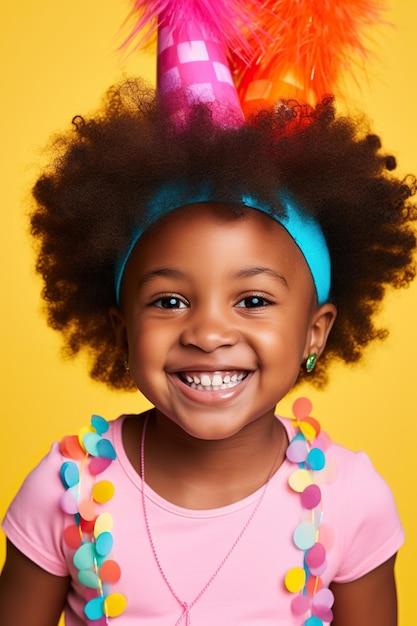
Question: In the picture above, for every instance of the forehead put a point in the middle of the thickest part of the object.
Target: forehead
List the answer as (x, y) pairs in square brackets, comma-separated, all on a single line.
[(214, 223), (213, 237)]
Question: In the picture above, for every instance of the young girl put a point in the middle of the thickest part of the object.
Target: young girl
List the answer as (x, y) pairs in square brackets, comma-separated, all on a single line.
[(211, 266), (219, 242)]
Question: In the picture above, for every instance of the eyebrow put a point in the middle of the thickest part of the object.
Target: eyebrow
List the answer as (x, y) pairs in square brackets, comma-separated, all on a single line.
[(246, 273), (163, 271), (256, 271)]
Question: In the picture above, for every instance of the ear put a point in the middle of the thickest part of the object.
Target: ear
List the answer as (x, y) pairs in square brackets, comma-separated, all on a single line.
[(120, 333), (321, 324)]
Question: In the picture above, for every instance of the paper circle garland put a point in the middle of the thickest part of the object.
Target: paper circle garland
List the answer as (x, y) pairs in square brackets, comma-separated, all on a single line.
[(89, 535), (307, 451)]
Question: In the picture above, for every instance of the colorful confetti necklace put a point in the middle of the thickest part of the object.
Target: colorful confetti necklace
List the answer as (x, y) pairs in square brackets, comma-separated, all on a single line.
[(89, 535), (312, 602), (186, 607)]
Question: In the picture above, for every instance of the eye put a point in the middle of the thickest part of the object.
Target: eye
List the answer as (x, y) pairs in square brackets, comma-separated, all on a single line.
[(253, 302), (170, 302)]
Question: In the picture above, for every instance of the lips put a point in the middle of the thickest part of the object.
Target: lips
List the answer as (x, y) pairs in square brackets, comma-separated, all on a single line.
[(213, 381)]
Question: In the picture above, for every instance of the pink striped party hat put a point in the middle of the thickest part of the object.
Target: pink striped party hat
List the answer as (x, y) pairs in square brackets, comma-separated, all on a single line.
[(192, 64), (194, 40)]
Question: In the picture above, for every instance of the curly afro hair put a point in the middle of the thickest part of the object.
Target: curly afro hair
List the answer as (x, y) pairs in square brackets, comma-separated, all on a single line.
[(105, 169)]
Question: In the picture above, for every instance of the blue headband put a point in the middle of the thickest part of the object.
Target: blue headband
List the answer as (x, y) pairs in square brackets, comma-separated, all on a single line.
[(304, 229)]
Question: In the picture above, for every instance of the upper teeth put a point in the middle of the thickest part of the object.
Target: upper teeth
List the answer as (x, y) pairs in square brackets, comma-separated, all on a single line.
[(215, 381)]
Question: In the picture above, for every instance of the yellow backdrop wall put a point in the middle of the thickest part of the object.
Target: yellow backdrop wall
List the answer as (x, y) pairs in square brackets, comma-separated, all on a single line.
[(57, 59)]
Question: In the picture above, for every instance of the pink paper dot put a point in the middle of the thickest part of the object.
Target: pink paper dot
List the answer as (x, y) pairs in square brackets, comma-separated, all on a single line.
[(319, 571), (69, 503), (311, 497), (323, 441), (300, 605), (316, 556), (323, 613), (98, 464), (324, 597), (321, 604)]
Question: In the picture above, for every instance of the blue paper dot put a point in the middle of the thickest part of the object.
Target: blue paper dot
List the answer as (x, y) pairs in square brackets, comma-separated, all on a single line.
[(305, 536), (313, 621), (94, 609), (69, 474), (84, 556), (104, 543), (90, 443), (100, 424), (88, 578), (105, 449), (316, 459)]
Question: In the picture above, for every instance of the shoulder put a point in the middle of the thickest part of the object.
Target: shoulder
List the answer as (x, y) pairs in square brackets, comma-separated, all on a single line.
[(42, 484), (360, 523), (352, 473), (47, 472), (370, 530), (358, 478), (35, 519), (33, 522)]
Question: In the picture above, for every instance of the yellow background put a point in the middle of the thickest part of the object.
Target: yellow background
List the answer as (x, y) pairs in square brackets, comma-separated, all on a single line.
[(57, 59)]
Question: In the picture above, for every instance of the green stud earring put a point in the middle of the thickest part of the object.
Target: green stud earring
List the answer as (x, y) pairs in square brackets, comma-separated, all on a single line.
[(310, 362)]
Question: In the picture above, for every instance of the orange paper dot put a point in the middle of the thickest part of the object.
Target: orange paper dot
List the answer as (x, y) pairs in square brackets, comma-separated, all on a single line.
[(70, 448), (302, 408), (87, 510), (110, 572), (314, 584), (72, 537)]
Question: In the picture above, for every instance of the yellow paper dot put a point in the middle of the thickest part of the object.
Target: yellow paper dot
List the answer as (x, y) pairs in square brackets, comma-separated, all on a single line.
[(308, 430), (103, 491), (295, 579), (300, 479), (103, 524), (83, 431), (114, 604)]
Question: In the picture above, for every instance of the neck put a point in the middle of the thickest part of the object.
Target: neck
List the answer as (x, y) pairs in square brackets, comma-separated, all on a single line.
[(201, 474)]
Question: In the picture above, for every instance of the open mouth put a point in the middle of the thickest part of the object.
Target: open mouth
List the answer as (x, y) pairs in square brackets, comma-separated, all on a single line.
[(206, 381)]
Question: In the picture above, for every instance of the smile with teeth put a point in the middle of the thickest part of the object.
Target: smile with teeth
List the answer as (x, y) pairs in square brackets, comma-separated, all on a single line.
[(205, 381)]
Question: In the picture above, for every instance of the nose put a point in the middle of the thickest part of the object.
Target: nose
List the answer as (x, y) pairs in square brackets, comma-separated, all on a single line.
[(209, 330)]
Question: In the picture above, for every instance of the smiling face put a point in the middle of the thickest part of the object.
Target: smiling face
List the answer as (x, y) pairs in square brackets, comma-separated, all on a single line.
[(216, 316)]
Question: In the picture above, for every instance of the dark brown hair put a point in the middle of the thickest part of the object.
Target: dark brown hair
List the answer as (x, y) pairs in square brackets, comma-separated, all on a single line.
[(104, 170)]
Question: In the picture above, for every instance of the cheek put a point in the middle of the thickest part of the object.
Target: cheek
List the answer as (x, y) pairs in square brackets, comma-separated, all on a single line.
[(150, 342), (144, 346), (281, 342)]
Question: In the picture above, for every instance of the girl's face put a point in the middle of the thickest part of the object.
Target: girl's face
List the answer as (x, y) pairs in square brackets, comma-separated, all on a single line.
[(217, 315)]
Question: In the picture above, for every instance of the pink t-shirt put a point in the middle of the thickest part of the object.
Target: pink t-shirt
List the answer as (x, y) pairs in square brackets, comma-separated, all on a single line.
[(361, 526)]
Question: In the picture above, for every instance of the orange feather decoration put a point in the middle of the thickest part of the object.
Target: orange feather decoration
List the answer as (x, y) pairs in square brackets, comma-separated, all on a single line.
[(310, 43)]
